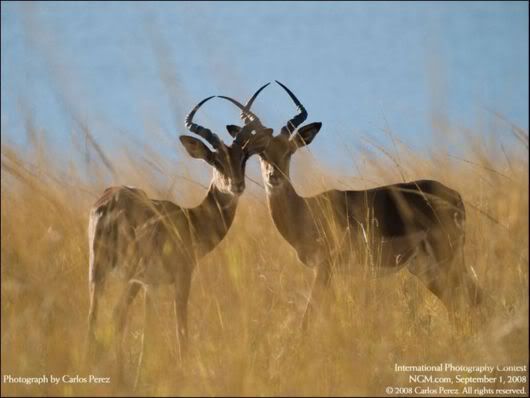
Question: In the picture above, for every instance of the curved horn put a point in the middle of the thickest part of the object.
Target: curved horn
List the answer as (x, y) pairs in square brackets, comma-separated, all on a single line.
[(247, 112), (251, 101), (205, 133), (298, 119), (252, 121)]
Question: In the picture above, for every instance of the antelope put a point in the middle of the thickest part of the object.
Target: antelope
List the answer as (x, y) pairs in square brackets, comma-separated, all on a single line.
[(149, 242), (419, 225)]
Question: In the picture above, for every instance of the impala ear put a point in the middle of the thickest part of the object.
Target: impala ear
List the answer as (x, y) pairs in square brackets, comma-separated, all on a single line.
[(305, 134), (196, 149), (233, 130)]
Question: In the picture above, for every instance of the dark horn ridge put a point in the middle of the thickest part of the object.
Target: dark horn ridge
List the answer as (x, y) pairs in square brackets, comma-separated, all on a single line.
[(203, 132), (249, 114), (298, 119), (252, 99), (189, 118), (254, 124)]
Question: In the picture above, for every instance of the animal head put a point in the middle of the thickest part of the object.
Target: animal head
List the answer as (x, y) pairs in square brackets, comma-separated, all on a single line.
[(276, 157), (228, 161)]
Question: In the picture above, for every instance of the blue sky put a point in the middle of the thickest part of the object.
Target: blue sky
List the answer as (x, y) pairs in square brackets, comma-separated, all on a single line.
[(131, 71)]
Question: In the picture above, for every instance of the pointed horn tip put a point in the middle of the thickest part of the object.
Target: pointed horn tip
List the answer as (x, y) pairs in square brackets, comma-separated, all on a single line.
[(198, 106), (204, 100), (262, 87), (237, 103), (249, 103), (293, 97), (284, 87)]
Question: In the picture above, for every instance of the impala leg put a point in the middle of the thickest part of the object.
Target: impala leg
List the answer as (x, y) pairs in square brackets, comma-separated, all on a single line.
[(182, 291), (470, 303), (120, 319), (431, 269), (146, 357), (469, 281), (446, 275), (320, 285), (93, 351), (432, 279)]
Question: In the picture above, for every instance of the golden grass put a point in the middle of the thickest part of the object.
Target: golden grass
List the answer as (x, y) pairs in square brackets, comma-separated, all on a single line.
[(248, 296)]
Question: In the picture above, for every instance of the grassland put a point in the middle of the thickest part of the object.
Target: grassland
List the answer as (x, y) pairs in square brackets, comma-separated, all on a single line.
[(248, 296)]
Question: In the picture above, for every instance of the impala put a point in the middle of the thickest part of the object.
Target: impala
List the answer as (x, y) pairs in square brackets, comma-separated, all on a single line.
[(418, 224), (149, 242)]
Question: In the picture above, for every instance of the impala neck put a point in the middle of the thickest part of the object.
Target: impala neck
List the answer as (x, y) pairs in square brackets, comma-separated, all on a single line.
[(287, 209), (212, 219)]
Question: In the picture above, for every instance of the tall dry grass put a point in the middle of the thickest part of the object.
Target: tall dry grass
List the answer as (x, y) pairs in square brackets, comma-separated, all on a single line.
[(249, 294)]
